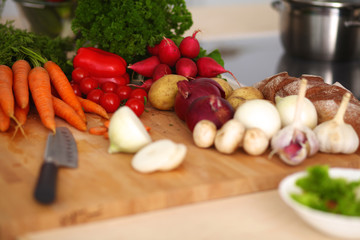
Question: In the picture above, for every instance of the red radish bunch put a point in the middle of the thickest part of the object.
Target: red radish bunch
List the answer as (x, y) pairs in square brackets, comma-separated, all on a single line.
[(168, 58)]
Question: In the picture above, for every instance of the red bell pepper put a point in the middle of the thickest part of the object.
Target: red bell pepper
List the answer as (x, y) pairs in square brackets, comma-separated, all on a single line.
[(99, 63)]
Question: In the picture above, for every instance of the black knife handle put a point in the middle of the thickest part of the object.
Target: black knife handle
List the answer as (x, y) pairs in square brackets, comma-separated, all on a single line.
[(46, 184)]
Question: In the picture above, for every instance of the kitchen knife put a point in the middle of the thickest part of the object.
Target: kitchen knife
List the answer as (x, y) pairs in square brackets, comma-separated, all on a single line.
[(60, 151)]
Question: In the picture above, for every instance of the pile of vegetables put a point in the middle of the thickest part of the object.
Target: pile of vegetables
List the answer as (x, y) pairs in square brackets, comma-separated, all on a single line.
[(182, 56), (289, 127), (101, 77), (49, 89), (325, 193), (126, 28)]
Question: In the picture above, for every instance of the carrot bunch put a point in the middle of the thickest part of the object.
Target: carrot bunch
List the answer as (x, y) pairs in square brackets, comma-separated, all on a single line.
[(21, 81)]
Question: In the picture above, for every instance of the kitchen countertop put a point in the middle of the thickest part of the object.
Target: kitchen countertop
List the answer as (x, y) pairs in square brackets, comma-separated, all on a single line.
[(251, 216)]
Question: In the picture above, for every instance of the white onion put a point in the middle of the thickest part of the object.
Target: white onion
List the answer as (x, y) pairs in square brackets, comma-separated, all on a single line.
[(286, 107), (259, 113)]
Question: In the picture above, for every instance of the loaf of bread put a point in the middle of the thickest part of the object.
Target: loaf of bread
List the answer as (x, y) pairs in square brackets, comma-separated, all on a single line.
[(325, 97)]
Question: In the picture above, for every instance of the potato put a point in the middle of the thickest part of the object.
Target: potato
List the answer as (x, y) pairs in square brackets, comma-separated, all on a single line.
[(163, 91), (225, 85), (235, 101), (247, 93), (242, 94)]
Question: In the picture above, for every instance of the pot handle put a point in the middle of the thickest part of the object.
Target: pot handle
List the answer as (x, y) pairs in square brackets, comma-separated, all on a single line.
[(352, 23), (276, 5)]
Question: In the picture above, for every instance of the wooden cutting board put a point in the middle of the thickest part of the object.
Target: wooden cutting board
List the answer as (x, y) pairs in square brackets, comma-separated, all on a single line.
[(105, 186)]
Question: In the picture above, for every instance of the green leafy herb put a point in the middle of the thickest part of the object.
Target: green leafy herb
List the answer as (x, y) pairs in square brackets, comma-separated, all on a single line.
[(12, 39), (322, 192), (128, 27)]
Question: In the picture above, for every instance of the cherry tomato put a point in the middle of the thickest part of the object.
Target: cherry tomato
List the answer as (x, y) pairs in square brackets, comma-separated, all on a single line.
[(108, 86), (110, 101), (123, 92), (87, 84), (76, 88), (94, 95), (136, 105), (139, 93), (78, 74)]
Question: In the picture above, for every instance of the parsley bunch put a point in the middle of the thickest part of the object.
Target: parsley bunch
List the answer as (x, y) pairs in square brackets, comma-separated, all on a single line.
[(128, 27), (11, 39)]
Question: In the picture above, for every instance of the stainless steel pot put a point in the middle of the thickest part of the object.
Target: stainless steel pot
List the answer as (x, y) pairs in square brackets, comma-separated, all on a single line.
[(320, 30)]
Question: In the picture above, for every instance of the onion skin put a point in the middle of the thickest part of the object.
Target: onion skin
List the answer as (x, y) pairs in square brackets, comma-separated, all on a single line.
[(190, 91), (211, 81), (213, 108)]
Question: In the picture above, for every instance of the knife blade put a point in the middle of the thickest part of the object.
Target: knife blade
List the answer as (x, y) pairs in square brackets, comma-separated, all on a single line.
[(60, 151)]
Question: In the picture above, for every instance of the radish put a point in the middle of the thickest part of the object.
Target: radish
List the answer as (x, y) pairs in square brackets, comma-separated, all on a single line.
[(154, 51), (189, 46), (146, 67), (145, 85), (186, 67), (169, 53), (166, 41), (160, 71), (208, 67)]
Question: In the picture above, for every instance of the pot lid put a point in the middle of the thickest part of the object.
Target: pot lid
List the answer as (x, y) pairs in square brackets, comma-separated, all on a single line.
[(329, 3)]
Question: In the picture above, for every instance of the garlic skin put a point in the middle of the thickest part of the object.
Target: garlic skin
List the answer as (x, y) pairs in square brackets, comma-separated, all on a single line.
[(336, 136), (294, 145)]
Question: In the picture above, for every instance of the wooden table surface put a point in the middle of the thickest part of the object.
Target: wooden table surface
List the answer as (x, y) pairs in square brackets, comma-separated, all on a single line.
[(253, 216)]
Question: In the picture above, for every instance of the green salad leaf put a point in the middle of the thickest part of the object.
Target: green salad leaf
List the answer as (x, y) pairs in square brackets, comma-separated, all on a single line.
[(322, 192)]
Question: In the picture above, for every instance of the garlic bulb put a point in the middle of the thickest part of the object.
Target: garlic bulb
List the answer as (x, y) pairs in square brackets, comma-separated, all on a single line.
[(295, 142), (287, 106), (336, 136)]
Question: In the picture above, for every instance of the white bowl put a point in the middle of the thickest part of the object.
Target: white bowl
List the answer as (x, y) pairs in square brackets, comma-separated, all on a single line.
[(331, 224)]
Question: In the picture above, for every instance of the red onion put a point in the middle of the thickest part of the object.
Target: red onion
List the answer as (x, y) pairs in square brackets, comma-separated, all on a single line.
[(212, 81), (188, 92), (212, 108)]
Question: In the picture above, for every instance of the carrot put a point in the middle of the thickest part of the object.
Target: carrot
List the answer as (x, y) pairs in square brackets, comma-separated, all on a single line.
[(40, 88), (98, 130), (63, 87), (21, 116), (66, 112), (106, 135), (92, 107), (147, 128), (107, 123), (21, 113), (4, 121), (21, 69), (6, 93)]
